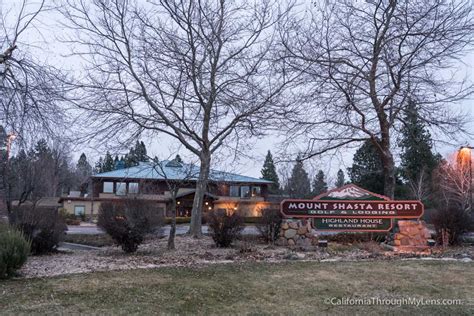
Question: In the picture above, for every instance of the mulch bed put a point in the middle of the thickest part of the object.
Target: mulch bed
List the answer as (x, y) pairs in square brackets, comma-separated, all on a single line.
[(195, 252)]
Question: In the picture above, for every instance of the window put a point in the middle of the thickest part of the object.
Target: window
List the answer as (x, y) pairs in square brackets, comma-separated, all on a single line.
[(79, 210), (121, 188), (256, 191), (133, 188), (108, 187), (234, 191), (245, 191)]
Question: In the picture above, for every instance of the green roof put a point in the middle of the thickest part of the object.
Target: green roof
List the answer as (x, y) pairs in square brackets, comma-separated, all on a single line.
[(175, 171)]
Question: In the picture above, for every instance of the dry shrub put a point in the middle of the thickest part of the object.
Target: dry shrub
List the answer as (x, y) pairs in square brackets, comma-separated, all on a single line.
[(224, 228), (269, 223), (454, 221), (127, 221), (43, 227)]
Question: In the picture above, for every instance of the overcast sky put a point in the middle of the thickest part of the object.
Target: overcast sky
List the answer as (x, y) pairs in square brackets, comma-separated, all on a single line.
[(44, 44)]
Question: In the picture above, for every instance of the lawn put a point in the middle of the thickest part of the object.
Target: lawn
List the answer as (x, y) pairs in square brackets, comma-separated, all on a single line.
[(289, 288)]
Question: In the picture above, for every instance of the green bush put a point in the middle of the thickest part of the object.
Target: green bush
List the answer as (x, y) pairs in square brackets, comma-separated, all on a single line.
[(14, 249), (127, 221)]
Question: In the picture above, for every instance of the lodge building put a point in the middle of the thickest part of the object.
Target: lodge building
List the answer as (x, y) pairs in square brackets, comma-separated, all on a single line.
[(152, 181)]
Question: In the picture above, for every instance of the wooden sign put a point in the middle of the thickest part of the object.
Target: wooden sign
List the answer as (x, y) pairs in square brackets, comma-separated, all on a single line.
[(351, 209), (354, 209)]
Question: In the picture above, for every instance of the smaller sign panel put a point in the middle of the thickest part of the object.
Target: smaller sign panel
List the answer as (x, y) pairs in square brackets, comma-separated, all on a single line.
[(353, 209), (354, 224)]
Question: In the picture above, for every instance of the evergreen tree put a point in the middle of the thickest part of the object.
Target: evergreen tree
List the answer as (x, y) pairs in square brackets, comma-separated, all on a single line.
[(417, 158), (99, 166), (340, 181), (178, 159), (299, 185), (319, 184), (367, 168), (269, 173), (83, 173), (140, 152), (137, 154), (108, 163)]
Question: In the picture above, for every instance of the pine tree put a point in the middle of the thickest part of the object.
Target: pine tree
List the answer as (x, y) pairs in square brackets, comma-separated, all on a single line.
[(269, 173), (108, 164), (319, 184), (299, 185), (83, 173), (340, 181), (417, 156), (140, 152), (367, 168), (99, 166)]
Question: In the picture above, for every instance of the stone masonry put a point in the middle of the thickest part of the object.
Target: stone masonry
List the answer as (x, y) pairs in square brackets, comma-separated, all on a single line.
[(297, 233)]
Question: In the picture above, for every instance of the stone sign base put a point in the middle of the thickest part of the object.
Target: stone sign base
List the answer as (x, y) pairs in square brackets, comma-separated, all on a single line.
[(412, 237), (296, 232)]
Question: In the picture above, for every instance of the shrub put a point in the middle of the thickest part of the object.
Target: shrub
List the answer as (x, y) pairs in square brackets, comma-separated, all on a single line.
[(128, 221), (454, 221), (350, 238), (43, 227), (224, 228), (269, 223), (14, 249), (68, 218)]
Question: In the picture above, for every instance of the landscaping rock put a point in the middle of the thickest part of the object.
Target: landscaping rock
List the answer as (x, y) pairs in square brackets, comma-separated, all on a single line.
[(290, 233)]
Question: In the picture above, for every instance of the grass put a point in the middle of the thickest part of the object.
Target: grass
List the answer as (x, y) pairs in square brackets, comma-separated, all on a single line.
[(258, 288), (97, 240)]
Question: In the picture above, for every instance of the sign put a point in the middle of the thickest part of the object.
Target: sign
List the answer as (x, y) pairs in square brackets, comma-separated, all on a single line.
[(353, 209), (354, 224)]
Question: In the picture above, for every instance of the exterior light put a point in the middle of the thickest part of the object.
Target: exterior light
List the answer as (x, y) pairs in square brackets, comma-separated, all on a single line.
[(178, 202), (235, 208), (210, 208), (207, 203)]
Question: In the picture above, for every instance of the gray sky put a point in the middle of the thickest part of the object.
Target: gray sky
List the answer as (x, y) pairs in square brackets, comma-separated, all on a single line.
[(43, 42)]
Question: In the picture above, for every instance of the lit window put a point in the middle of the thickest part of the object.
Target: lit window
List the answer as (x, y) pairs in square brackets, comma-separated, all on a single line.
[(121, 188), (133, 188), (256, 191), (245, 191), (108, 187), (234, 191), (79, 210)]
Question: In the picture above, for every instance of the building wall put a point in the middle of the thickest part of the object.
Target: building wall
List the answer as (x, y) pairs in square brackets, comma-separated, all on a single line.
[(69, 206), (248, 208)]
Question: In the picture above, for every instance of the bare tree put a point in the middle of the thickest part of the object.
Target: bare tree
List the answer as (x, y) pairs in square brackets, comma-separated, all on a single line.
[(453, 182), (363, 60), (30, 90), (183, 174), (198, 71)]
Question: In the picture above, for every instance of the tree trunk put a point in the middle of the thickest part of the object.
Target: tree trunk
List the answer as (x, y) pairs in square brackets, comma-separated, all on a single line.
[(195, 229), (173, 222), (388, 172)]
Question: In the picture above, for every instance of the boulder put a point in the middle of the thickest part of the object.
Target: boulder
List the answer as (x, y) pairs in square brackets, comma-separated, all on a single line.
[(290, 233), (284, 225), (302, 230), (291, 242), (293, 225), (281, 241)]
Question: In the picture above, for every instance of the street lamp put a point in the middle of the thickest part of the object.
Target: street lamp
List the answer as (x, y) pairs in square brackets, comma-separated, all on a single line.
[(463, 153)]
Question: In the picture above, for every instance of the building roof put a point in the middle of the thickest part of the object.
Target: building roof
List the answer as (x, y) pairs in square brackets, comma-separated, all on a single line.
[(172, 170)]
